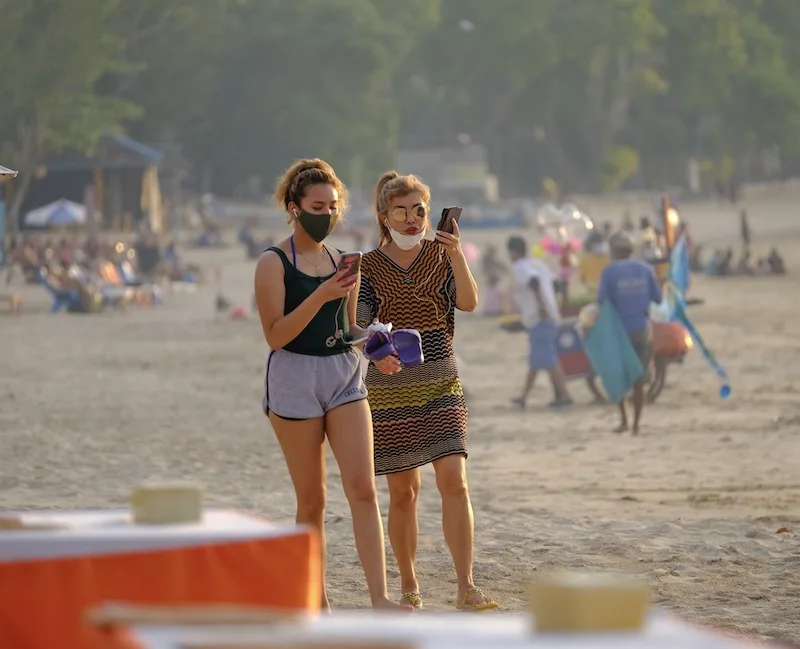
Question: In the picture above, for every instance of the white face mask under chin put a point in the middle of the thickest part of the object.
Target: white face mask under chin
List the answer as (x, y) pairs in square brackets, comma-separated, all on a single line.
[(408, 241)]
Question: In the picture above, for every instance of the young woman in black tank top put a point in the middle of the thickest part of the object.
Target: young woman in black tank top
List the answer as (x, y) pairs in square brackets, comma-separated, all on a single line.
[(313, 384)]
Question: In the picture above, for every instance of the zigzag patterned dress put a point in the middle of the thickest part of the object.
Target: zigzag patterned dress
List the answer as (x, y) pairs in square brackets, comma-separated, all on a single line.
[(419, 414)]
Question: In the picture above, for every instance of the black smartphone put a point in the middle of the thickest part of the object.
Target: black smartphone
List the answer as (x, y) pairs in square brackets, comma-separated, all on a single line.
[(351, 261), (449, 214)]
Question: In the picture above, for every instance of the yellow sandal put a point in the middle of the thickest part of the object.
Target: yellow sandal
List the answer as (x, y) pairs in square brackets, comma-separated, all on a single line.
[(486, 605), (412, 598)]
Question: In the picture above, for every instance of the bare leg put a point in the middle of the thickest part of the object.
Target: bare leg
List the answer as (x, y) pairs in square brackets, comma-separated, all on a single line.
[(458, 524), (559, 380), (404, 525), (302, 443), (624, 422), (554, 385), (530, 379), (349, 429), (638, 405)]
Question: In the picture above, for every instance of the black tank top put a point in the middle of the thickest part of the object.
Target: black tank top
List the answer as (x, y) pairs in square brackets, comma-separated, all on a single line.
[(319, 336)]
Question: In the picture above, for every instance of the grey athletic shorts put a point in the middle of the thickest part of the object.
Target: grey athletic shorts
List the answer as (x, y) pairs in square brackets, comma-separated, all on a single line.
[(299, 386)]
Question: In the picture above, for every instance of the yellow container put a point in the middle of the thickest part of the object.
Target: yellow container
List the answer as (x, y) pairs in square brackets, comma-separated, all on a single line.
[(591, 267), (587, 602), (167, 504)]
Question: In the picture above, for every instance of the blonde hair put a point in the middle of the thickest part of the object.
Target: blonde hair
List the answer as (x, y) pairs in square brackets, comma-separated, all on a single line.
[(294, 182), (390, 186)]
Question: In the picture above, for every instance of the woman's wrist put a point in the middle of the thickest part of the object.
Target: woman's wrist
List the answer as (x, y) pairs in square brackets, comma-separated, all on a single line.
[(455, 253)]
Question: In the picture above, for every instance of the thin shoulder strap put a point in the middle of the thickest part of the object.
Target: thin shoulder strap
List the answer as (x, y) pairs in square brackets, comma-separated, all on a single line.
[(287, 265)]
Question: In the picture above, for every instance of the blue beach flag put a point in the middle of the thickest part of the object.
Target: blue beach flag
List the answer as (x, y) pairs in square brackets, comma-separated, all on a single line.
[(675, 304)]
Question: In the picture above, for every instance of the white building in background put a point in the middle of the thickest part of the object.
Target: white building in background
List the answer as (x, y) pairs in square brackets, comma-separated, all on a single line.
[(456, 175)]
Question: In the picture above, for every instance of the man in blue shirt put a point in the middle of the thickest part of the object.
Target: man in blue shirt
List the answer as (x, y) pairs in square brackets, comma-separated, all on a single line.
[(631, 286)]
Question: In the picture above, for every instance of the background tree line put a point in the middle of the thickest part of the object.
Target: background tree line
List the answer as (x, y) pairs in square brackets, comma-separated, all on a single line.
[(593, 93)]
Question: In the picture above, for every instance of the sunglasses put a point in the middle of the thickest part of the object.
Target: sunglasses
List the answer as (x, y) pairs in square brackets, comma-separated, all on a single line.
[(400, 214)]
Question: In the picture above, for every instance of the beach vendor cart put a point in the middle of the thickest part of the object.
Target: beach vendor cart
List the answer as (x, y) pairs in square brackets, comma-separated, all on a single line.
[(671, 342), (656, 247)]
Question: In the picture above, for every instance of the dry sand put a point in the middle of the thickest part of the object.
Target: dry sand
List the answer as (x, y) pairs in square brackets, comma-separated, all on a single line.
[(90, 405)]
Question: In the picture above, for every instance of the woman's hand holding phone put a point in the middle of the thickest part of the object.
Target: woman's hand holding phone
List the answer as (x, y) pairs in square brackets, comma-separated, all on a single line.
[(451, 242), (338, 286)]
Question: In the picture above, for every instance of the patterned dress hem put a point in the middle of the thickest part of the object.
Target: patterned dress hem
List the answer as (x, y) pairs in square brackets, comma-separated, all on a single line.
[(421, 464)]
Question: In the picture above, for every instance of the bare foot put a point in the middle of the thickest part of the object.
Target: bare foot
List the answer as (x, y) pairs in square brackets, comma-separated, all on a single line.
[(622, 428), (384, 603), (635, 430)]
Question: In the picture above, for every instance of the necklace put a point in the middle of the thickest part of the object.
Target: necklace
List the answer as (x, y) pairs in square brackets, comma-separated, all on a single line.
[(320, 258), (339, 332)]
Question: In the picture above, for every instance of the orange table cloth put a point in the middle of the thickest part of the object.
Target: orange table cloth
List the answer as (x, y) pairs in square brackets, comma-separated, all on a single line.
[(49, 578)]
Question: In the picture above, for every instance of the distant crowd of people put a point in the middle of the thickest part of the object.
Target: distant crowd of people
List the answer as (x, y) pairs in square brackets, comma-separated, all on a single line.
[(35, 254), (722, 262), (93, 267)]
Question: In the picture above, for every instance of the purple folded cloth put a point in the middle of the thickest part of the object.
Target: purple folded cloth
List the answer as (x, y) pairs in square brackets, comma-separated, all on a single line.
[(379, 346), (408, 345)]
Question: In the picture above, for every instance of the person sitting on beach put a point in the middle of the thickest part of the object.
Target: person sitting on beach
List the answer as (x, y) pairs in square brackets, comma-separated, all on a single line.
[(313, 383), (631, 286), (419, 413), (744, 266), (597, 241), (696, 259), (724, 266), (538, 309), (776, 264)]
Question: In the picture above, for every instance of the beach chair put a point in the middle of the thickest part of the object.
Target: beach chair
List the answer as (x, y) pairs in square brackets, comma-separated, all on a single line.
[(151, 292), (128, 274), (115, 286), (109, 295), (140, 295), (62, 298)]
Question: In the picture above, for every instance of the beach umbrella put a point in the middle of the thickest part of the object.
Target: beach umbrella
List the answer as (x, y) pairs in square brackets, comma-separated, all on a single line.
[(6, 173), (59, 214)]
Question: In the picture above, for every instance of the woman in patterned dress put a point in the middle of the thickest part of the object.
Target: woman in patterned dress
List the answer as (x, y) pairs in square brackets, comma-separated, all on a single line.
[(419, 414)]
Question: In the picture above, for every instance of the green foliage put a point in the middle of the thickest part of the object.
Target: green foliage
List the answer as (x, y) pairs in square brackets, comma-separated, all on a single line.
[(621, 163)]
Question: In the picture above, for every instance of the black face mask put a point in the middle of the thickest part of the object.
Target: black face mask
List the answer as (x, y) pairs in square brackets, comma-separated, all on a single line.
[(317, 226)]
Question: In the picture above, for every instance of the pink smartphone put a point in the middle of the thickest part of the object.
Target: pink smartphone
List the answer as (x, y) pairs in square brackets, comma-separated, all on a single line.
[(351, 261)]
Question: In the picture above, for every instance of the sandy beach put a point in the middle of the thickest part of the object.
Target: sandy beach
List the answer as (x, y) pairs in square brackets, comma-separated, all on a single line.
[(91, 405)]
